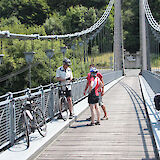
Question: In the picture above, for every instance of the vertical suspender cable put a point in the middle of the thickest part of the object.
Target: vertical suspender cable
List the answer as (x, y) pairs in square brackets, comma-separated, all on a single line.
[(101, 48), (1, 47), (157, 55), (91, 52)]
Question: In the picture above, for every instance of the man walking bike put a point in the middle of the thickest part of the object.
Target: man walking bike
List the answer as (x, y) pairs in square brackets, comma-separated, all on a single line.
[(64, 76)]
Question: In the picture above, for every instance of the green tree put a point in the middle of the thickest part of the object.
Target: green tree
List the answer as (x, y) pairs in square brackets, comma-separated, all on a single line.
[(131, 25), (78, 18), (54, 24), (27, 11), (62, 5), (154, 6)]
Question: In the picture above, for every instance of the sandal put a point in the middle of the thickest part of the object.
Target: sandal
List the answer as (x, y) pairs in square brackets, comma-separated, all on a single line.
[(91, 124), (97, 123), (104, 118), (88, 119)]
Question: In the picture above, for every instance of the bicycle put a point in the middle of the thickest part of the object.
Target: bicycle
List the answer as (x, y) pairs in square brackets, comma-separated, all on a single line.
[(63, 103), (32, 118)]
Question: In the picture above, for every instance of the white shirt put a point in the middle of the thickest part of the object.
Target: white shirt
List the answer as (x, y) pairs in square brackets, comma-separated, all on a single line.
[(62, 73), (96, 82)]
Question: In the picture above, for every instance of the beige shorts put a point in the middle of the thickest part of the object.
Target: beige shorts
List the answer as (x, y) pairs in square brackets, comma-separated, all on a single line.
[(100, 102)]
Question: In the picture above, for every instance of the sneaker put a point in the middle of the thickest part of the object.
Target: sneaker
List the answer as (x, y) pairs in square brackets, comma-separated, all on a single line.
[(71, 116), (88, 119), (104, 118), (91, 124), (97, 123)]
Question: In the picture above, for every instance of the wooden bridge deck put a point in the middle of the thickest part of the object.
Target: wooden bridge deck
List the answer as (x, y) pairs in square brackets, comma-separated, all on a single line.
[(126, 135)]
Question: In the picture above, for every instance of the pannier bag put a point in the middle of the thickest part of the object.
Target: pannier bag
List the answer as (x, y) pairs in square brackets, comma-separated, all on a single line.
[(157, 101)]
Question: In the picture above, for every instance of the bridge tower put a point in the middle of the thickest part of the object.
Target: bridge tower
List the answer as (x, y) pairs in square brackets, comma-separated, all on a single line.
[(117, 36), (143, 40)]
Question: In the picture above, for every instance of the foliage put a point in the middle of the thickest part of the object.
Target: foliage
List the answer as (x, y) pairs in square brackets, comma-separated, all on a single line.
[(131, 18), (78, 18), (27, 11), (61, 5), (54, 24), (154, 6)]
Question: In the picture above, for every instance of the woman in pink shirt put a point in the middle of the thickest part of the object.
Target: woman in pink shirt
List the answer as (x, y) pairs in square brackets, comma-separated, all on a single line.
[(101, 93), (95, 85)]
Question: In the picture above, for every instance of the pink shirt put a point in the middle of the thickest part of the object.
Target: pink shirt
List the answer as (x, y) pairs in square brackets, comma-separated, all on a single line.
[(98, 75)]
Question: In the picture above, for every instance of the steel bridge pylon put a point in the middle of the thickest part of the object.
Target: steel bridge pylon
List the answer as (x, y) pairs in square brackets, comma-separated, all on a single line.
[(117, 36), (143, 40)]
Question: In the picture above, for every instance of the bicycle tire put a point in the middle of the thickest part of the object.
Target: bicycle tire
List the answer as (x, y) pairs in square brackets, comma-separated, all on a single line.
[(63, 108), (40, 121), (25, 128)]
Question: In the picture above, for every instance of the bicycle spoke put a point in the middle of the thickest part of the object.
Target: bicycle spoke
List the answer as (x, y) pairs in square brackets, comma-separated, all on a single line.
[(40, 121)]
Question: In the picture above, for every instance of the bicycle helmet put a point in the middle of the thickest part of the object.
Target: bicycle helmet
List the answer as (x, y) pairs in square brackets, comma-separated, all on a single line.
[(67, 61), (93, 70)]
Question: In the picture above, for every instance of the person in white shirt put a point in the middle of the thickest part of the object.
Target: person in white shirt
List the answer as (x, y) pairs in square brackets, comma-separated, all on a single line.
[(64, 75)]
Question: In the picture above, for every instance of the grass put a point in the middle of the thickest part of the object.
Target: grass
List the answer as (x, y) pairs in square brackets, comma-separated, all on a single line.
[(102, 60)]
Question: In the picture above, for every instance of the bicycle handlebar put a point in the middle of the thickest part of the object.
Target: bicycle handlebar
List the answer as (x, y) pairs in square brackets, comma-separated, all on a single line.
[(32, 97), (73, 80)]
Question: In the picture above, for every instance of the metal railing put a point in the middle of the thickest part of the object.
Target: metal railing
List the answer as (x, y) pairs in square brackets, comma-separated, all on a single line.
[(153, 80), (46, 99)]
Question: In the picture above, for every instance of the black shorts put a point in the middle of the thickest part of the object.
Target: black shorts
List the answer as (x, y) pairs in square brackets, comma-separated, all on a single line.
[(67, 93), (92, 98)]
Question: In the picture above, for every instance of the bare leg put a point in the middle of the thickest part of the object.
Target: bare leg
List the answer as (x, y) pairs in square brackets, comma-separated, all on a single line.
[(102, 105), (104, 110), (92, 113), (69, 99), (98, 112)]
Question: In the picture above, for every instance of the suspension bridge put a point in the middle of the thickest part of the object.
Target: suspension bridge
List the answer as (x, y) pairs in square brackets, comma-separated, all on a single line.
[(132, 130)]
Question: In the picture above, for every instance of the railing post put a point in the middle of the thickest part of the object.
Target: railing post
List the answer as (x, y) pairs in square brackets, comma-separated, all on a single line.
[(51, 104), (42, 99), (73, 92), (12, 118)]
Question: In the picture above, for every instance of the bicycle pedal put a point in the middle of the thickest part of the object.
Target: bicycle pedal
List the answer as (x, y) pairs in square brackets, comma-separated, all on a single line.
[(32, 130), (60, 117)]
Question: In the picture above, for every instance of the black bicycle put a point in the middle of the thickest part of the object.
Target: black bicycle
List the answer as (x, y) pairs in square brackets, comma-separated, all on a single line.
[(63, 103), (32, 118)]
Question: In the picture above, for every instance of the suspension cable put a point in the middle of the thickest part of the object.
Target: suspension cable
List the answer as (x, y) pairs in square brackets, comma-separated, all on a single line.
[(150, 17)]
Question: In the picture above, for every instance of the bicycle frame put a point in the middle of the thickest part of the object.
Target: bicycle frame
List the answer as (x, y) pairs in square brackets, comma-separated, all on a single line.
[(27, 107)]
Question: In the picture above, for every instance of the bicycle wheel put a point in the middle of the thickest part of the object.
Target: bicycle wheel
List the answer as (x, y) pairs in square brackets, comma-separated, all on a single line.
[(40, 121), (63, 108), (25, 128)]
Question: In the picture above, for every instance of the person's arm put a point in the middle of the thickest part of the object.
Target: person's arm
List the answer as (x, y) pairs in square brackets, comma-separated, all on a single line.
[(102, 87), (71, 77), (86, 88), (60, 79)]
